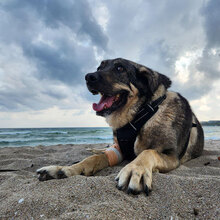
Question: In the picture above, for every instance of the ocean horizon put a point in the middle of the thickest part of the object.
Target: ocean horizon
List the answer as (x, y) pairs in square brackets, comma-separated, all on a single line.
[(18, 137)]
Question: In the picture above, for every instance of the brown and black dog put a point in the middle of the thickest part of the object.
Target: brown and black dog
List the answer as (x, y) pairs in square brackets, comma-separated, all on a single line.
[(170, 137)]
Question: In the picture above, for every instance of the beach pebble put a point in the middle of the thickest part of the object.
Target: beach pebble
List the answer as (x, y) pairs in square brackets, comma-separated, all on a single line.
[(21, 200), (195, 211)]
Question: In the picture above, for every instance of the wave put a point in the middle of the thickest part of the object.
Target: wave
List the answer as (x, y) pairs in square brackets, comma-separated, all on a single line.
[(14, 132), (51, 136), (212, 138), (54, 142), (55, 132)]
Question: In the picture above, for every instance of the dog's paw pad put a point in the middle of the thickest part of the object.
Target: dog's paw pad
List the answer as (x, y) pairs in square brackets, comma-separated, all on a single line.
[(44, 175)]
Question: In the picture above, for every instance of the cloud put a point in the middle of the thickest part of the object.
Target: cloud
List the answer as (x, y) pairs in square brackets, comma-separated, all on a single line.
[(59, 37), (52, 45), (211, 23), (153, 27), (46, 47), (210, 59), (208, 106), (21, 90), (51, 117), (205, 69), (76, 15)]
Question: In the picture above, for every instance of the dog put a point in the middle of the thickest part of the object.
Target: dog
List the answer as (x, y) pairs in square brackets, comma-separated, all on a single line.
[(153, 128)]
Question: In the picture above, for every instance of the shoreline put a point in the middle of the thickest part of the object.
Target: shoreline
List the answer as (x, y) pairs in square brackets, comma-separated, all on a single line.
[(188, 192)]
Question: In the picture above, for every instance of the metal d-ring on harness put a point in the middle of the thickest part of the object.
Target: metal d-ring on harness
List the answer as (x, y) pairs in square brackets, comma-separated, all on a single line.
[(127, 134)]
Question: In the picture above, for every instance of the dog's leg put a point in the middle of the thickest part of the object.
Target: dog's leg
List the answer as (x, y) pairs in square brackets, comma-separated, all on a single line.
[(137, 175), (87, 167)]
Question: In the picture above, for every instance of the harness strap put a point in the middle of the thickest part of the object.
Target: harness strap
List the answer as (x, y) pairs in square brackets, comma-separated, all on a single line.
[(127, 134), (187, 142), (146, 112)]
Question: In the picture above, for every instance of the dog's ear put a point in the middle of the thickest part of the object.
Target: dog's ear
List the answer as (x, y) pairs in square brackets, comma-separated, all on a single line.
[(164, 80), (148, 80)]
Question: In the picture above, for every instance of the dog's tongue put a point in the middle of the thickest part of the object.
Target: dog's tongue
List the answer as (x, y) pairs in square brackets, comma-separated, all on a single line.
[(105, 102)]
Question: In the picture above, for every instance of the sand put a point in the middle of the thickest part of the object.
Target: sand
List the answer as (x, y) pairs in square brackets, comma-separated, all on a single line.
[(190, 192)]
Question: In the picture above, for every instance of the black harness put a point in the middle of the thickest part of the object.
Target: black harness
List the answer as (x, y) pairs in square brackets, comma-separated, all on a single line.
[(127, 134)]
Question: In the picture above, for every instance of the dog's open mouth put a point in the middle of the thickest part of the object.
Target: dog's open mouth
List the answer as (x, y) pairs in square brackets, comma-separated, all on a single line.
[(110, 103), (105, 102)]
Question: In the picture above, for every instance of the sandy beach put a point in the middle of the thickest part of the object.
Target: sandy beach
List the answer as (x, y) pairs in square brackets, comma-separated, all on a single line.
[(190, 192)]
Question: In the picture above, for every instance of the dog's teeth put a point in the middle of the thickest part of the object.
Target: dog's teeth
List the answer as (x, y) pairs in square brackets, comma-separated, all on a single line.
[(117, 97)]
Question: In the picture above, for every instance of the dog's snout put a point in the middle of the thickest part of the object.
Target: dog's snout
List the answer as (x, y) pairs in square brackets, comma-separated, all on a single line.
[(92, 77)]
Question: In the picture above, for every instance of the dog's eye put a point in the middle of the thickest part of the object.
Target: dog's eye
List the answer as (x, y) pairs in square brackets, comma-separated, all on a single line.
[(120, 69)]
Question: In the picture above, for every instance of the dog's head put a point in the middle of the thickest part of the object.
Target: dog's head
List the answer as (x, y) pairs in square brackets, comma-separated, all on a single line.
[(115, 80)]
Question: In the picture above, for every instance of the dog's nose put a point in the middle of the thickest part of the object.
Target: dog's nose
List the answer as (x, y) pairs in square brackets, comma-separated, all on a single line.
[(92, 77)]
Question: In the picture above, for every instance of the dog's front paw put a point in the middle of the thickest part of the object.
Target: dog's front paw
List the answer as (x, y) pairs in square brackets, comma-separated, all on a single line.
[(51, 172), (59, 172), (136, 178)]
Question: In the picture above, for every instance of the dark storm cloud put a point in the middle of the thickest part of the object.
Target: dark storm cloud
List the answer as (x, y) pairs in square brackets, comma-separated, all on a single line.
[(58, 39), (212, 22), (209, 62), (64, 63), (74, 14), (67, 60)]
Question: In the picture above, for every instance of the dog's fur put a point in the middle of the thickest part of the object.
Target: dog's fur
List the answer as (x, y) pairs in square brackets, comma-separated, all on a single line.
[(160, 141)]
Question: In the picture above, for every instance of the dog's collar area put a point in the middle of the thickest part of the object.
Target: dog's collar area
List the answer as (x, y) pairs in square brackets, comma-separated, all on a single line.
[(146, 112), (127, 134)]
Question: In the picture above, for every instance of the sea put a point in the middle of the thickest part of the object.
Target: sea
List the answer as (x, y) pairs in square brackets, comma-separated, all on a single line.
[(17, 137)]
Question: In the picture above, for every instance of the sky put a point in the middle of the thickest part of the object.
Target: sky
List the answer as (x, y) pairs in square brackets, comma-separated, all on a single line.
[(47, 47)]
